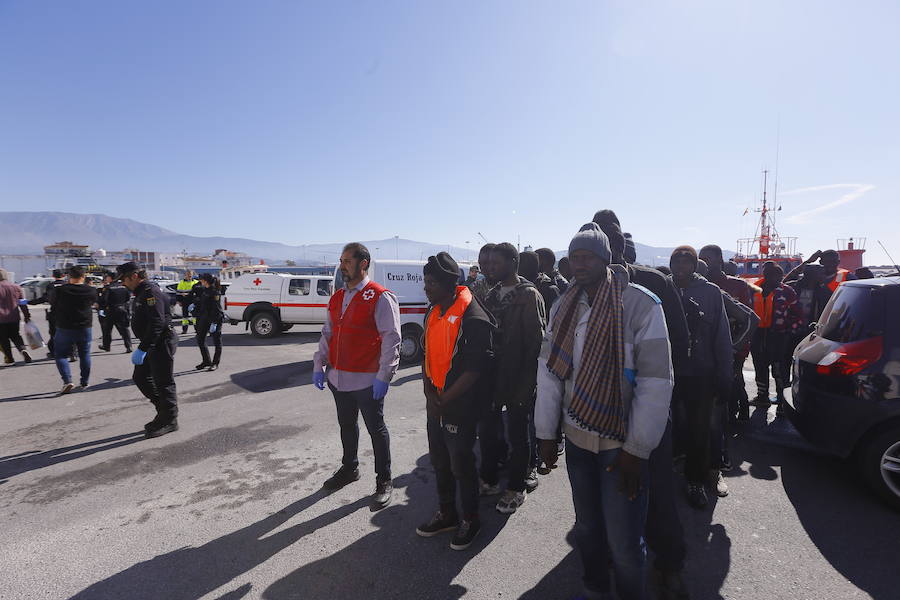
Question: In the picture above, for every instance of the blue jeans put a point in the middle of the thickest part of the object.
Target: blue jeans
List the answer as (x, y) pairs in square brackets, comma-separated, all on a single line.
[(63, 342), (607, 524)]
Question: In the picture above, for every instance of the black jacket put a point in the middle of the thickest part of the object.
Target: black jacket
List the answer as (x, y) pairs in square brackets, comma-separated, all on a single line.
[(114, 297), (664, 288), (73, 305), (474, 351), (207, 304), (152, 319)]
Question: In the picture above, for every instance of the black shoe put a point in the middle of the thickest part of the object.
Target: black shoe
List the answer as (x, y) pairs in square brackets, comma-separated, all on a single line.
[(213, 367), (466, 533), (439, 523), (384, 490), (105, 348), (26, 355), (73, 359), (697, 495), (184, 330), (761, 402), (202, 366), (531, 481), (162, 428), (341, 477), (127, 349)]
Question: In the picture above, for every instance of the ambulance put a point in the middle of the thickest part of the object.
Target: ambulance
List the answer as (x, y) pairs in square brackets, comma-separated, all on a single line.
[(270, 303), (404, 278)]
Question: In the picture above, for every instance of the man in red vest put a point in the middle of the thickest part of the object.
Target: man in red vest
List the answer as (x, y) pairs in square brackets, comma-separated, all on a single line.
[(360, 346)]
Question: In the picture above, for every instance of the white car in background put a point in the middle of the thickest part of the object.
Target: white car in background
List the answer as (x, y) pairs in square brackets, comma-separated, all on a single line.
[(274, 302)]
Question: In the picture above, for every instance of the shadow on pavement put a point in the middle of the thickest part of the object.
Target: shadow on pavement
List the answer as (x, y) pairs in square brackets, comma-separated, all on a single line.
[(109, 384), (390, 562), (278, 377), (10, 466)]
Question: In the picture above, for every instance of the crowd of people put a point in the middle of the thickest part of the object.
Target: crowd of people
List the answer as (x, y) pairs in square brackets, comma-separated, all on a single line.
[(621, 367)]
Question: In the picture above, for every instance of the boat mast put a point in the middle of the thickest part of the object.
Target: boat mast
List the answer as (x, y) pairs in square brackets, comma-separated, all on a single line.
[(764, 233)]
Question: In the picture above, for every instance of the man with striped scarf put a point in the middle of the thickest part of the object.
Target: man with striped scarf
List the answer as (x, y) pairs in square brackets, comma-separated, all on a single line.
[(606, 372)]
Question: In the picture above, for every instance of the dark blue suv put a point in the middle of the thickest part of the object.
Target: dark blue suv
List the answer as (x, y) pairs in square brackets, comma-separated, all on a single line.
[(846, 384)]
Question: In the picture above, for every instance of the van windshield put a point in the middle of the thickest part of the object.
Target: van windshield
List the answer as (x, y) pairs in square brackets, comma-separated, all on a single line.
[(338, 279), (852, 314)]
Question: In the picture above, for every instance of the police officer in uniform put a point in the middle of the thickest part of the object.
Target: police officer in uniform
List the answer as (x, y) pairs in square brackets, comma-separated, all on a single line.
[(112, 308), (154, 358), (185, 295)]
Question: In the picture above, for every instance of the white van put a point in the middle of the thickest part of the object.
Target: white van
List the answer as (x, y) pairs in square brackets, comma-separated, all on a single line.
[(405, 279), (273, 302)]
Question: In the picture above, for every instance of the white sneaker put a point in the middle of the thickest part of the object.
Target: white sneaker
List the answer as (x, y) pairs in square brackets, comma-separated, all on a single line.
[(510, 502), (486, 489), (68, 387), (718, 483)]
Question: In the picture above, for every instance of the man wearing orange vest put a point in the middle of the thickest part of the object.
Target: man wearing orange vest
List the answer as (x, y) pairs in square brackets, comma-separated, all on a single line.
[(830, 261), (779, 319), (360, 346), (456, 375)]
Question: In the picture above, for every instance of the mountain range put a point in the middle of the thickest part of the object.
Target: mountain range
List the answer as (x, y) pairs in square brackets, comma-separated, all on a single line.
[(29, 232)]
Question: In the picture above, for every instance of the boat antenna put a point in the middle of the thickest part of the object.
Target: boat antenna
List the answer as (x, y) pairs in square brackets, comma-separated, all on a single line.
[(890, 258)]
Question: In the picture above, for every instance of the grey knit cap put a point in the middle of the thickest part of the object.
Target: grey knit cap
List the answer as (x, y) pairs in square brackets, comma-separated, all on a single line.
[(590, 237)]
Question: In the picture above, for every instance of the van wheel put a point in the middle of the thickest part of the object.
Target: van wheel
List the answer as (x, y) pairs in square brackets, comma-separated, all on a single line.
[(880, 464), (286, 326), (411, 344), (264, 325)]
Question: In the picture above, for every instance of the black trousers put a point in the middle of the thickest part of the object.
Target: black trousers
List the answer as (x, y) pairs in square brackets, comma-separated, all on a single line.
[(521, 439), (664, 532), (202, 329), (10, 336), (451, 448), (694, 396), (349, 405), (117, 318), (767, 349), (156, 377)]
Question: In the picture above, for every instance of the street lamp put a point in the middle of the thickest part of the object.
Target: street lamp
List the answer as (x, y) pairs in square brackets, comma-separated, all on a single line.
[(397, 247)]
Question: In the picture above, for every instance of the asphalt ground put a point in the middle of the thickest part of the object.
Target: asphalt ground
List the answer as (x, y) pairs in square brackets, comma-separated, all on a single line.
[(231, 505)]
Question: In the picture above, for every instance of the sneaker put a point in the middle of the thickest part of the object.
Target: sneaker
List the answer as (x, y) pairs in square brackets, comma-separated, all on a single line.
[(161, 428), (761, 402), (670, 585), (212, 367), (510, 502), (531, 481), (384, 490), (466, 533), (696, 494), (105, 348), (73, 358), (26, 355), (717, 481), (66, 388), (438, 524), (341, 477), (486, 489), (202, 366), (81, 387), (560, 447), (8, 361)]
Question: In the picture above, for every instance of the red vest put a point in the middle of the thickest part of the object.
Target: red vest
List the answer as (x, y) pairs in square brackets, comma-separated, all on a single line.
[(355, 342), (839, 278)]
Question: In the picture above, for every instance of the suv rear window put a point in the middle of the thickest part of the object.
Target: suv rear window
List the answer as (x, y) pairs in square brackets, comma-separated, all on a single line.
[(853, 313)]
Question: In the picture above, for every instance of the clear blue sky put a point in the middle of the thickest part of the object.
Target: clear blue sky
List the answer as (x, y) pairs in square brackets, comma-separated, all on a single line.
[(326, 121)]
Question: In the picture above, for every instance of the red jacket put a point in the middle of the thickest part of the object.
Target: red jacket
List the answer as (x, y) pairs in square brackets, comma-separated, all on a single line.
[(355, 343)]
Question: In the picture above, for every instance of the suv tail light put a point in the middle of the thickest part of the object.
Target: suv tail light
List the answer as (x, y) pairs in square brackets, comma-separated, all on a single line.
[(850, 359)]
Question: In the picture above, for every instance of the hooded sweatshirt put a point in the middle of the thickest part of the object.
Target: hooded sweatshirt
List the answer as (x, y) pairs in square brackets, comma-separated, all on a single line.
[(73, 304), (646, 378)]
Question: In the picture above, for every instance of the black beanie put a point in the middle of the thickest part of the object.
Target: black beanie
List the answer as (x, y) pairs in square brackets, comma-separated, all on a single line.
[(442, 267)]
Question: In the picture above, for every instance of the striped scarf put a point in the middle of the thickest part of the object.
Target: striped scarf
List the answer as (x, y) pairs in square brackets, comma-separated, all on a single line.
[(597, 393)]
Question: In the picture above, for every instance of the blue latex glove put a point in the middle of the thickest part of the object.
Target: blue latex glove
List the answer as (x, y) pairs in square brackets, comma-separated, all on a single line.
[(319, 379), (137, 357), (213, 327), (23, 302), (102, 313), (379, 389), (191, 308)]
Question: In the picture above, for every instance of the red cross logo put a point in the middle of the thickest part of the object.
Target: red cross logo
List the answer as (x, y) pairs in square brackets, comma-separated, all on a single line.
[(257, 281)]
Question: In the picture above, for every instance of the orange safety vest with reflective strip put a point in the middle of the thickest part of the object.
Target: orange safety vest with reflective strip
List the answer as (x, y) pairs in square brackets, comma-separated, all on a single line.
[(441, 335), (839, 278)]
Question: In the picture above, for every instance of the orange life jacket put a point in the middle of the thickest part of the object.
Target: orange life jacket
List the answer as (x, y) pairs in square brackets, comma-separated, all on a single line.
[(839, 277), (762, 306), (441, 336), (355, 343)]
